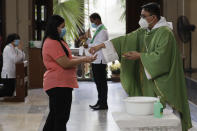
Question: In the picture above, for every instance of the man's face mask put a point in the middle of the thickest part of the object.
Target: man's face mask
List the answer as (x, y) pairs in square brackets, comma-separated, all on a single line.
[(143, 23), (94, 25)]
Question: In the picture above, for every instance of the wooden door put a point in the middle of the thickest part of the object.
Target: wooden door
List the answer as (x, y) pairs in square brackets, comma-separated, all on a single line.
[(42, 10), (133, 11)]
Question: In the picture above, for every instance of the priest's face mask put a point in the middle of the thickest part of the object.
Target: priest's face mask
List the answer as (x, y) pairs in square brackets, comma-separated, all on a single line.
[(146, 19)]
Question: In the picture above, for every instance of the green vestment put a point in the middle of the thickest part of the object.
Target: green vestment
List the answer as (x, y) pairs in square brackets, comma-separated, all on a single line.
[(161, 58)]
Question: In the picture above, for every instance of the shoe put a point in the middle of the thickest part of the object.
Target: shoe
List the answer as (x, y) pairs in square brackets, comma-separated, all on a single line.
[(91, 106), (100, 107)]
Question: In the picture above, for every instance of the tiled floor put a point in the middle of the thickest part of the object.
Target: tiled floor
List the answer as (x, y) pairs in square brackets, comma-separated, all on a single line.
[(31, 115), (193, 76), (24, 116)]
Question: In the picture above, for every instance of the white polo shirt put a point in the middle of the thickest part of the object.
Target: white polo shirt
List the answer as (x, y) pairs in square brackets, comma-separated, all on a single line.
[(101, 37), (11, 55)]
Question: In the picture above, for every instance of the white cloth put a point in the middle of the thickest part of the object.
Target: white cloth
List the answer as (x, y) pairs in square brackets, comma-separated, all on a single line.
[(11, 55), (109, 52), (163, 22), (81, 49), (101, 37), (126, 122)]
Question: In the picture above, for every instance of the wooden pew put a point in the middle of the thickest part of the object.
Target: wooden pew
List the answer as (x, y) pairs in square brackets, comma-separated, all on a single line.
[(21, 83)]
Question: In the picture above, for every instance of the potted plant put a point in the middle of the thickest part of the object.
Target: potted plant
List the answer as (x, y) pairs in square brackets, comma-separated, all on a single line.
[(115, 70)]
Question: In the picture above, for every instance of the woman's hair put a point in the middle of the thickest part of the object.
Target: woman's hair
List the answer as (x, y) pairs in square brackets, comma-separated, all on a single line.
[(11, 38), (51, 30)]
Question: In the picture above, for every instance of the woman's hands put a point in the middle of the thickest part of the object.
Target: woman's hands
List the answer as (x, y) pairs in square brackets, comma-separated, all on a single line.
[(21, 45), (89, 59)]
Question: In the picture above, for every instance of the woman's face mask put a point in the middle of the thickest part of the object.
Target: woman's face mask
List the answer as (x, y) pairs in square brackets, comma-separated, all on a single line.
[(16, 42), (63, 32)]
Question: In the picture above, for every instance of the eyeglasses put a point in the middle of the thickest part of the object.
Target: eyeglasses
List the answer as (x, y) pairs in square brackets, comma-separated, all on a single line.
[(143, 16)]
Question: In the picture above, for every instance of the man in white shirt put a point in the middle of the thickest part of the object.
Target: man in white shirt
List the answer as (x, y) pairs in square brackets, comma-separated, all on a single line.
[(99, 65)]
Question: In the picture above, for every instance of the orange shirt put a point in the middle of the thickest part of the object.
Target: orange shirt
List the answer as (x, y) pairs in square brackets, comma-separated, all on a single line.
[(56, 76)]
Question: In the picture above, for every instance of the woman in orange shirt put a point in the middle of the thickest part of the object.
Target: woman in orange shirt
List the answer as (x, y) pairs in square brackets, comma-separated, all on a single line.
[(60, 77)]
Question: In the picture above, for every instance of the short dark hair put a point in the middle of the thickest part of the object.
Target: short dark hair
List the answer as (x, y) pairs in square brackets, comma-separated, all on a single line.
[(11, 38), (95, 16), (153, 8)]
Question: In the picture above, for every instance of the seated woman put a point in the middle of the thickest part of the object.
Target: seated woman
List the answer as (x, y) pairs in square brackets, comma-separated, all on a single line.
[(12, 54)]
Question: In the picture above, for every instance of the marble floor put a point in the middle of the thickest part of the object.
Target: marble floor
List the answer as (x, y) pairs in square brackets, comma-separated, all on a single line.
[(31, 114)]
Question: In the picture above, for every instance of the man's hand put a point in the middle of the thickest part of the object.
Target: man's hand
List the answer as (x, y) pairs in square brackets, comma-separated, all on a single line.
[(133, 55), (94, 49)]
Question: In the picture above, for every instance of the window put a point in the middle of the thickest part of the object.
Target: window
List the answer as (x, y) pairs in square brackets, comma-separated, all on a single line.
[(41, 11)]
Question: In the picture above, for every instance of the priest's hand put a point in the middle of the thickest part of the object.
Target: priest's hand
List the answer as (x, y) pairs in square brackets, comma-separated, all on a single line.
[(133, 55)]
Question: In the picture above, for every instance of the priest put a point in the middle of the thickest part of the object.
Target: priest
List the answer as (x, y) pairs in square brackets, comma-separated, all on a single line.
[(151, 64)]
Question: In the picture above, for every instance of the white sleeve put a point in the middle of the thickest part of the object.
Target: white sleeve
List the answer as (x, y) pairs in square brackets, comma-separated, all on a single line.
[(9, 53), (147, 74), (20, 55), (109, 52), (103, 36), (100, 38)]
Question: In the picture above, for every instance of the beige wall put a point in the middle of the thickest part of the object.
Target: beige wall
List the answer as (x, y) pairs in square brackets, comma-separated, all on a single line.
[(172, 10), (11, 16), (190, 12), (18, 19)]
